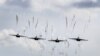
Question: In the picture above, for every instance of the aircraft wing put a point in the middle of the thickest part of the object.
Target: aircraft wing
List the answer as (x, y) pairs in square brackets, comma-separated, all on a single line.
[(84, 40), (41, 38), (12, 34), (31, 38), (51, 40), (22, 36), (73, 38), (62, 40)]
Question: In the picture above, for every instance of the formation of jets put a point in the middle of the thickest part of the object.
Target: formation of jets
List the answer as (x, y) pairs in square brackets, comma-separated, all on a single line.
[(78, 39), (39, 38)]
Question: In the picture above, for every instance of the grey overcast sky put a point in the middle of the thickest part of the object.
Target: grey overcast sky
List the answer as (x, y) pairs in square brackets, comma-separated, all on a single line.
[(86, 12)]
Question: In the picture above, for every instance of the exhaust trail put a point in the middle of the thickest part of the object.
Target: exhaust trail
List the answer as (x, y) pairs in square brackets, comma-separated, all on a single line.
[(29, 23), (29, 47), (36, 24), (67, 43), (74, 26), (46, 28), (86, 25), (66, 22), (33, 19), (17, 19)]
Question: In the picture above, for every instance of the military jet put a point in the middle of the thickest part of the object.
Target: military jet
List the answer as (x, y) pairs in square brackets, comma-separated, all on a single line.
[(78, 39), (17, 35), (57, 40), (37, 38)]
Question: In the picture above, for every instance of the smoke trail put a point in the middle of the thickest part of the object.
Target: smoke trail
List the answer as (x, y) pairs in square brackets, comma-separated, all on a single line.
[(17, 19), (33, 19), (66, 22), (74, 25), (46, 28), (36, 24), (29, 23)]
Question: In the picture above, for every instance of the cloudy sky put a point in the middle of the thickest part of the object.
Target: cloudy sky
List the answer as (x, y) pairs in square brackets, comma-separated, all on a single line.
[(85, 13)]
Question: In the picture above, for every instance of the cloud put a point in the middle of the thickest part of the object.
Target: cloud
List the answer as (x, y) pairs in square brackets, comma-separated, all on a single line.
[(41, 5), (6, 40), (18, 3), (4, 36), (2, 2), (87, 4), (82, 16)]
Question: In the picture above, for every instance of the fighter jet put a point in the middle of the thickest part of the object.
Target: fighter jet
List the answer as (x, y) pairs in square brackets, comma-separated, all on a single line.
[(57, 40), (37, 38), (78, 39), (17, 35)]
